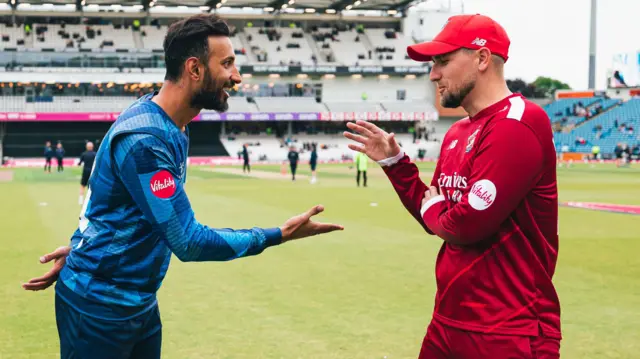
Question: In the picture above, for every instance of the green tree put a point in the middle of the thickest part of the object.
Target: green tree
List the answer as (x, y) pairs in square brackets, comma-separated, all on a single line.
[(549, 86), (525, 89)]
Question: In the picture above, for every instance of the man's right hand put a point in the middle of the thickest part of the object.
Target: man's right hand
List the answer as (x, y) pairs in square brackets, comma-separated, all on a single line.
[(377, 144), (302, 226), (45, 281)]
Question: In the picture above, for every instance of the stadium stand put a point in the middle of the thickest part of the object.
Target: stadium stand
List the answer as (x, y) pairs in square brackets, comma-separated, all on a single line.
[(240, 50), (389, 46), (60, 37), (67, 104), (110, 97), (14, 37), (268, 45), (115, 47), (12, 103), (618, 125), (376, 90), (331, 147), (260, 147), (569, 107), (153, 36), (343, 47), (569, 113), (240, 104), (279, 46)]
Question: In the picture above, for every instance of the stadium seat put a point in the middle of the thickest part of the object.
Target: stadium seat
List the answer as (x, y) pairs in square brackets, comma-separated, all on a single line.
[(345, 50), (391, 45), (14, 37), (281, 45), (153, 37), (627, 113), (104, 38)]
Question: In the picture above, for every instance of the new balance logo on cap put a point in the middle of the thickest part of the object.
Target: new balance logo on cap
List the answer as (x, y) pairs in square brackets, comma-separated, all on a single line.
[(478, 41)]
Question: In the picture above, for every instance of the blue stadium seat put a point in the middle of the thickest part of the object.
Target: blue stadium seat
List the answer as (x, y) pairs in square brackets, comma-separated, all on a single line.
[(627, 113)]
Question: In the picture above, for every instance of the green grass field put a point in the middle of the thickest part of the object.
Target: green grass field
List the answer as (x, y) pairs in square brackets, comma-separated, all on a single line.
[(366, 292)]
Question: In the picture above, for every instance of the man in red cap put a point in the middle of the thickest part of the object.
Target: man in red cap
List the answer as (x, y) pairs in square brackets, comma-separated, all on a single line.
[(493, 200)]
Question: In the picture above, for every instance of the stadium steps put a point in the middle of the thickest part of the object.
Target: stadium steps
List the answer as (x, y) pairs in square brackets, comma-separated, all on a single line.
[(598, 115), (314, 46), (369, 46), (251, 57), (137, 40), (28, 40)]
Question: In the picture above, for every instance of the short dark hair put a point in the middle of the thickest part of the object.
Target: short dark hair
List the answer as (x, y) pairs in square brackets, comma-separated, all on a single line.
[(190, 38)]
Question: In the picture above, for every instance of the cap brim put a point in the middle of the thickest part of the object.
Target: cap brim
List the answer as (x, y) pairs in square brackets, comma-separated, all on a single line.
[(427, 50)]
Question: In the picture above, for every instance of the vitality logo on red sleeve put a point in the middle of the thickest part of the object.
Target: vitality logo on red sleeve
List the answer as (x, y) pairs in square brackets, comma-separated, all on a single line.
[(482, 195), (162, 184)]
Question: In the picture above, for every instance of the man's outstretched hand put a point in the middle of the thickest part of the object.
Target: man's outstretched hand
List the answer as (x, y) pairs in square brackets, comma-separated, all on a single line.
[(302, 226), (44, 282), (296, 227), (376, 143)]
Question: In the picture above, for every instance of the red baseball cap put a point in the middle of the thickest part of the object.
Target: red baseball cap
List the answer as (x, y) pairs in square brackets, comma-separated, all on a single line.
[(464, 31)]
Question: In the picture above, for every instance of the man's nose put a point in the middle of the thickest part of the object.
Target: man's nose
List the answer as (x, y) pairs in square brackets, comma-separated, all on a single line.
[(235, 76), (434, 75)]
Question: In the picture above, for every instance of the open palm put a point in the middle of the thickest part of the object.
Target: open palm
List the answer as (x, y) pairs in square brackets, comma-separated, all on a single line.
[(376, 143), (302, 226)]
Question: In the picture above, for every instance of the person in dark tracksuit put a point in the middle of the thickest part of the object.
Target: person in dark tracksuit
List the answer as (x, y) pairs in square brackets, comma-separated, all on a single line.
[(293, 161), (245, 157), (48, 155), (86, 158), (60, 156), (313, 161)]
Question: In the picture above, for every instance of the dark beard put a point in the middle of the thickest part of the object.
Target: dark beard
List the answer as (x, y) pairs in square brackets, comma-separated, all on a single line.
[(454, 100), (209, 97)]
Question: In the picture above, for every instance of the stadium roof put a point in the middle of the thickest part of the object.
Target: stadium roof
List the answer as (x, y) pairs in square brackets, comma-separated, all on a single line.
[(276, 5)]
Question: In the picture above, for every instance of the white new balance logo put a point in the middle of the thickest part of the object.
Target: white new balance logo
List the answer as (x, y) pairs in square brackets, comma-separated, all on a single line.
[(478, 41)]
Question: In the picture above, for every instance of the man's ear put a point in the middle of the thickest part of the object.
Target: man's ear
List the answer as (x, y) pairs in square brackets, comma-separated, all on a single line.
[(192, 68), (484, 59)]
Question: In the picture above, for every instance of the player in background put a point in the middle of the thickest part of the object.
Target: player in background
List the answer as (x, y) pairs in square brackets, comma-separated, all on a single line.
[(137, 213), (362, 163), (60, 156), (48, 155), (313, 162), (87, 158), (245, 157), (293, 157), (493, 201)]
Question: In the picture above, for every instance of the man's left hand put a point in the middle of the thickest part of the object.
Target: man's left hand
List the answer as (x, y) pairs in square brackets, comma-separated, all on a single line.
[(59, 256), (302, 226)]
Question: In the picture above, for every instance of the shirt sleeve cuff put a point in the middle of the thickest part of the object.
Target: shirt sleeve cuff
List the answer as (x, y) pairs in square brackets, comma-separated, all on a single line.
[(392, 160), (431, 202), (273, 236)]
